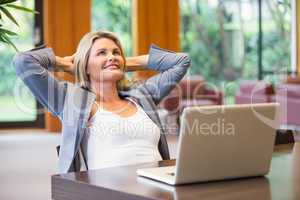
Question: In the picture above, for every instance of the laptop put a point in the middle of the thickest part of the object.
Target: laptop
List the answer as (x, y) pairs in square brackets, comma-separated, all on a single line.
[(221, 142)]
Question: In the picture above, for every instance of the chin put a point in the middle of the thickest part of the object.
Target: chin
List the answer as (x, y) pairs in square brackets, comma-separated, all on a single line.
[(115, 75)]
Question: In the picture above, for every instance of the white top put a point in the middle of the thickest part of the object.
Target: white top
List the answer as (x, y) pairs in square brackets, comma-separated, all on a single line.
[(112, 140)]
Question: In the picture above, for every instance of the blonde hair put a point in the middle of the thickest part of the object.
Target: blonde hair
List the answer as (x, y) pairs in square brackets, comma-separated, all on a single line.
[(82, 57)]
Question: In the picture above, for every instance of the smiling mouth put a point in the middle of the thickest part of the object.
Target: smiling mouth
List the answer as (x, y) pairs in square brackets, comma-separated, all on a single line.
[(112, 66)]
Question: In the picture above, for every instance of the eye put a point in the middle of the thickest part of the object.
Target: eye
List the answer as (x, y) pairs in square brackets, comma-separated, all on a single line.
[(101, 52), (117, 52)]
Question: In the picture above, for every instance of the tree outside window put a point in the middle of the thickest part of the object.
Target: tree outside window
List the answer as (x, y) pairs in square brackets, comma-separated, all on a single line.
[(221, 37)]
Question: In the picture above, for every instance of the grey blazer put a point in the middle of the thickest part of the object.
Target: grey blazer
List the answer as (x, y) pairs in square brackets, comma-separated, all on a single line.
[(72, 104)]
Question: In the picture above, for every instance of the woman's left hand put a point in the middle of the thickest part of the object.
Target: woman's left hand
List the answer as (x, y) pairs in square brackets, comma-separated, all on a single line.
[(136, 63), (66, 63)]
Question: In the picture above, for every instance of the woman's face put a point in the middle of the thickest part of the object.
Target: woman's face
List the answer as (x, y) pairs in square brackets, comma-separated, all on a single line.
[(105, 61)]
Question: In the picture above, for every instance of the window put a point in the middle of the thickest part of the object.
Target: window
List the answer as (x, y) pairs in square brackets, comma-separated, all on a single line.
[(229, 40), (276, 37), (115, 16), (18, 106)]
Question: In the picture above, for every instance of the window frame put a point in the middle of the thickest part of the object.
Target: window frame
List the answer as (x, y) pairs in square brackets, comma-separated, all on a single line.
[(40, 118)]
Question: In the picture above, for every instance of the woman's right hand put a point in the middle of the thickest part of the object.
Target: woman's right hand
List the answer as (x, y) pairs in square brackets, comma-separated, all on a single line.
[(66, 64)]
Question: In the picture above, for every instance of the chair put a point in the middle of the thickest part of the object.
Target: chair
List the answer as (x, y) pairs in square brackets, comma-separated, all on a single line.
[(288, 95), (191, 91), (255, 92)]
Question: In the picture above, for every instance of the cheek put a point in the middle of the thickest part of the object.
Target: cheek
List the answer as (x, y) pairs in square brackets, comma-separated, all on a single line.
[(94, 66), (93, 70)]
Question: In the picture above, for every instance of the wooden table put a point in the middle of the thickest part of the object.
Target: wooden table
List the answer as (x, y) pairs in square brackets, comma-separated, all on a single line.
[(283, 182)]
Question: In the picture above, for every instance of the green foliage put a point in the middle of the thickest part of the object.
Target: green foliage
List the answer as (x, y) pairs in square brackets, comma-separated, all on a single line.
[(8, 79), (24, 41), (222, 42), (115, 16), (5, 34)]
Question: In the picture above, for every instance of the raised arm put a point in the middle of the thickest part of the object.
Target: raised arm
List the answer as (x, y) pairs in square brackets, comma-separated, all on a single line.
[(171, 67), (34, 67), (137, 63)]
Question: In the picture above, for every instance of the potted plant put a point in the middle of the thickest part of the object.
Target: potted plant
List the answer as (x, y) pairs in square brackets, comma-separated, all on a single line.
[(5, 7)]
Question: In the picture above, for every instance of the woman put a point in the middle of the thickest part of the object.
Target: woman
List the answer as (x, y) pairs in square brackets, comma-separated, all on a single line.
[(105, 123)]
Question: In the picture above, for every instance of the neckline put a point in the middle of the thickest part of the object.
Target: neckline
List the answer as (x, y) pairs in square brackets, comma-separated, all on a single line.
[(101, 109)]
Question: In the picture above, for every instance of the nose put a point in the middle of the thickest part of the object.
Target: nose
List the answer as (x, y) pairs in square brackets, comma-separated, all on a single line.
[(111, 57)]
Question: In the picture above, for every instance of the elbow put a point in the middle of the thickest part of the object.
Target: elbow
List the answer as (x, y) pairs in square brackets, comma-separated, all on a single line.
[(23, 62), (19, 61)]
